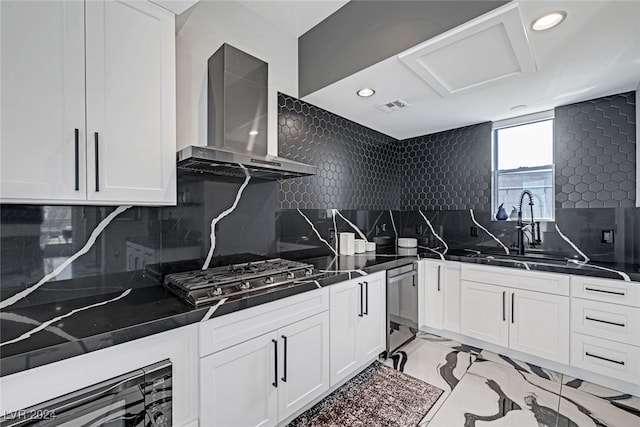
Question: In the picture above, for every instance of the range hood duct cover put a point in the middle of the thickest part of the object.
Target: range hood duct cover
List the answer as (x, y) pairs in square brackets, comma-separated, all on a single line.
[(237, 123)]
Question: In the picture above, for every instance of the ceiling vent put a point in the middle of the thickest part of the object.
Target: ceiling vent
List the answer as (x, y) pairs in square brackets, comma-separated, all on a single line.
[(491, 48), (395, 105)]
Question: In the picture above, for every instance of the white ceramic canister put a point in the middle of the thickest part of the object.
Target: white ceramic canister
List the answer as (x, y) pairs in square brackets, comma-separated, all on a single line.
[(359, 246), (407, 251), (370, 246), (407, 242), (347, 243)]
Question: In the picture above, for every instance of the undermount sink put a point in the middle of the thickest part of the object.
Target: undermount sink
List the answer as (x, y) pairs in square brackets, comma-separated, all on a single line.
[(537, 257)]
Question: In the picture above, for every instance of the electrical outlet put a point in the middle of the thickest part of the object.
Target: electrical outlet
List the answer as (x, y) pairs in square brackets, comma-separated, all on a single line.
[(607, 236), (474, 231), (419, 230), (332, 235)]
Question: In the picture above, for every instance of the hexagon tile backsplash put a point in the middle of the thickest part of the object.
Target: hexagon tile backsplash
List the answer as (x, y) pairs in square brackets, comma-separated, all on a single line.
[(595, 153), (448, 170), (357, 166)]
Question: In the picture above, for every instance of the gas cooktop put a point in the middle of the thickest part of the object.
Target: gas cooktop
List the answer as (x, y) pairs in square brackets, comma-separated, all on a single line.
[(204, 287)]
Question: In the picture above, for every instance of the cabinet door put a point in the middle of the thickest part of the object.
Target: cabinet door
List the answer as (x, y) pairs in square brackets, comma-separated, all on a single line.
[(485, 312), (130, 102), (344, 321), (451, 288), (540, 324), (42, 102), (431, 294), (237, 385), (374, 318), (304, 363)]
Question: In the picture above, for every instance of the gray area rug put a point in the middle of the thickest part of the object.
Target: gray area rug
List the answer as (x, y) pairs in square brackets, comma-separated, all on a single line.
[(378, 396)]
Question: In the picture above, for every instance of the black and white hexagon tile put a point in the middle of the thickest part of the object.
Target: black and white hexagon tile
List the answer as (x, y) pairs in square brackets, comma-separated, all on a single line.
[(595, 153), (357, 166), (448, 170)]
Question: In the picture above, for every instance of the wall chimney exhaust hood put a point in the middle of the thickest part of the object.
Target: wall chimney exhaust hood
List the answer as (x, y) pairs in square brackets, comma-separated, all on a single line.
[(237, 123)]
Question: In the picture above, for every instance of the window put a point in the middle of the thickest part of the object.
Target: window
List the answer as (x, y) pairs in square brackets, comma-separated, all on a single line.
[(523, 160)]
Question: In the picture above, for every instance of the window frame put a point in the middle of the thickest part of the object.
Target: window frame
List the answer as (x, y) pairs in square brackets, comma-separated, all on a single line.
[(495, 172)]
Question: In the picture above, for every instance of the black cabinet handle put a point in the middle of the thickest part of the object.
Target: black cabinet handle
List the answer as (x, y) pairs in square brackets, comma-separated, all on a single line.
[(95, 137), (604, 292), (504, 306), (513, 297), (77, 159), (366, 298), (284, 376), (439, 268), (361, 302), (275, 363), (604, 358), (605, 321)]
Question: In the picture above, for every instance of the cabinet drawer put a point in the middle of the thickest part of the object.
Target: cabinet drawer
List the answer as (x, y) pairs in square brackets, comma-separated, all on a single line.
[(608, 290), (610, 321), (537, 281), (225, 331), (621, 361)]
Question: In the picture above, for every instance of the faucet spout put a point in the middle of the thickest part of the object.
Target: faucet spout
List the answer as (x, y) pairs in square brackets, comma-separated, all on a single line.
[(520, 227)]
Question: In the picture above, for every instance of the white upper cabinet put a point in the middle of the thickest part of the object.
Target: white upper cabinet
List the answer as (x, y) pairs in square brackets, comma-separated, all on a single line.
[(130, 102), (126, 127), (42, 101)]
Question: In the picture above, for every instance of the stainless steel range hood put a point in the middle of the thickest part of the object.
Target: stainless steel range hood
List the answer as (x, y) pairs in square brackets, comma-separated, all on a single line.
[(237, 123)]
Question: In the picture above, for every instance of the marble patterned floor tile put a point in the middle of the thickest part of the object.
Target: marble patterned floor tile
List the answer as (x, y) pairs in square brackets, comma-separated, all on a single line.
[(583, 409), (518, 365), (446, 342), (438, 365), (616, 398), (495, 394)]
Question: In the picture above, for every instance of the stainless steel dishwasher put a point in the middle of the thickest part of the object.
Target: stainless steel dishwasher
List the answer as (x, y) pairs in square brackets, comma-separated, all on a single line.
[(402, 307)]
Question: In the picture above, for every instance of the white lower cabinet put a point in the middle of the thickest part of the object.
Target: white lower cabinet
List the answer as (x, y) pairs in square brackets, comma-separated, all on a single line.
[(264, 379), (439, 294), (304, 364), (605, 357), (451, 310), (540, 324), (236, 385), (430, 293), (532, 322), (357, 318), (484, 312), (605, 327)]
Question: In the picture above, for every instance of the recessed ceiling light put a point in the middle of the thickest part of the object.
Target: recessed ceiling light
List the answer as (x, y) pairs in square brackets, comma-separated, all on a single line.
[(365, 92), (548, 20), (253, 132)]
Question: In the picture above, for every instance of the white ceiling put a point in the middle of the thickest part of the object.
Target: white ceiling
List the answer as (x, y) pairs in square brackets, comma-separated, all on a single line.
[(294, 16), (595, 52)]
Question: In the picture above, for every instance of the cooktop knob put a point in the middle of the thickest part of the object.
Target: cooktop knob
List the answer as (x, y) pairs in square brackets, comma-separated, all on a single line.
[(268, 280)]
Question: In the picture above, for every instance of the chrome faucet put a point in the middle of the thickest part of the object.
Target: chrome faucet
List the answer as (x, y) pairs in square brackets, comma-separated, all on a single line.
[(520, 227)]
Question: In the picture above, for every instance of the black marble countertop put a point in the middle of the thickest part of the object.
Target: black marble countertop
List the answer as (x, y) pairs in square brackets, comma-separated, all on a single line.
[(540, 262), (142, 307), (146, 309)]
